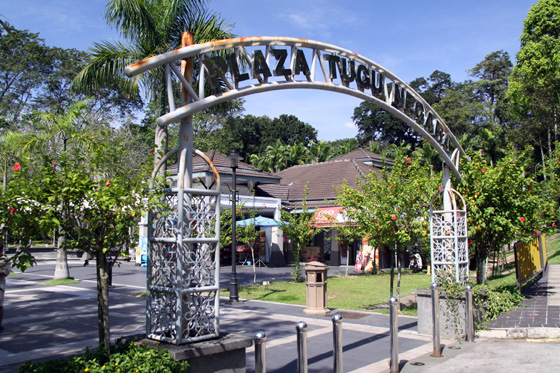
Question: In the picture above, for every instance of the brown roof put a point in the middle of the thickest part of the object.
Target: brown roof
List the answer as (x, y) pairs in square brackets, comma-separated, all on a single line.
[(321, 179), (222, 164)]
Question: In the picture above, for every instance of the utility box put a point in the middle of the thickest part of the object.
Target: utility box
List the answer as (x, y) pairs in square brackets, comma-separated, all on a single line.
[(316, 287)]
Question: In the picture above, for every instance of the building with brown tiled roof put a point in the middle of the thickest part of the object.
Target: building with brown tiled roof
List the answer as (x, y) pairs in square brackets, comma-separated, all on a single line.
[(320, 179), (316, 184)]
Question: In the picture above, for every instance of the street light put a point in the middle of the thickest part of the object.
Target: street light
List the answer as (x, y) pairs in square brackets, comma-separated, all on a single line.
[(234, 159)]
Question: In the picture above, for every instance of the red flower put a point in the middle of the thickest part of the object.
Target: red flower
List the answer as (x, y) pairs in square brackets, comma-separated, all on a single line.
[(17, 167), (440, 188), (458, 214), (108, 183), (554, 224), (394, 217), (522, 219), (378, 227), (409, 160), (528, 192), (152, 151), (484, 171), (311, 232), (536, 233), (236, 210), (406, 166), (12, 210), (54, 165)]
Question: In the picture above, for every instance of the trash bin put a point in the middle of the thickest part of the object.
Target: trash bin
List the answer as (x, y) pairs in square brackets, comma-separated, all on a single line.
[(316, 287)]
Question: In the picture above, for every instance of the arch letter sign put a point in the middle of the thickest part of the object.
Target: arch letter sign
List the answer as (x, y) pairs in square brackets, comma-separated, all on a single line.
[(240, 67)]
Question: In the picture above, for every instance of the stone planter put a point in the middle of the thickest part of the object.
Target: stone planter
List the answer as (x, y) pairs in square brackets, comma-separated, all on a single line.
[(447, 329)]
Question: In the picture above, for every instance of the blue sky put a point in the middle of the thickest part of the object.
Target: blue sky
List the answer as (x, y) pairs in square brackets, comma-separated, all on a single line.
[(409, 38)]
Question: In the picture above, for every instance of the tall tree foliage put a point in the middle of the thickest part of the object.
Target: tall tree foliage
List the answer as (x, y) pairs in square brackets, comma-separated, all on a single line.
[(148, 28), (535, 81), (503, 204), (93, 197), (391, 208), (25, 64)]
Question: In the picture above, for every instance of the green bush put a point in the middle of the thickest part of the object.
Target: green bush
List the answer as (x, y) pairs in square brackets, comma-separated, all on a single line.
[(500, 300), (131, 357)]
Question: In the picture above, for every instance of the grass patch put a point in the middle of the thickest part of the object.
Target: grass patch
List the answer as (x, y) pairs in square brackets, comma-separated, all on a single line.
[(553, 248), (357, 292), (141, 294), (66, 281)]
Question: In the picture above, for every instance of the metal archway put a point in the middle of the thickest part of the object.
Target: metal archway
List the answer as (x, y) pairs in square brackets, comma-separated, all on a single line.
[(182, 309), (332, 69)]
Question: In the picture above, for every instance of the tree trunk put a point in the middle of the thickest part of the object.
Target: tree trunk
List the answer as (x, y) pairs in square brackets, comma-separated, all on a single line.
[(161, 147), (543, 164), (104, 329), (399, 284), (61, 271), (480, 269)]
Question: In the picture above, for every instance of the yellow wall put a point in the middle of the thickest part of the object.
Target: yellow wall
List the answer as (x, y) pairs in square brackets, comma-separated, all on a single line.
[(529, 257)]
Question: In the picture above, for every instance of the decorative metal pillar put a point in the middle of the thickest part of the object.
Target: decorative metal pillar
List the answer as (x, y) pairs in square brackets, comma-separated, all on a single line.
[(234, 158), (182, 301), (448, 239)]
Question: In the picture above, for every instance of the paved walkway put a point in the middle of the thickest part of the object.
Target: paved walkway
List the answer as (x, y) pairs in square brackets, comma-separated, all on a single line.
[(538, 316), (43, 322)]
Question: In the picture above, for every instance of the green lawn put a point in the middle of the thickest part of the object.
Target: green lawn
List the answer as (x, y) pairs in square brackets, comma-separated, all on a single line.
[(359, 293), (553, 249)]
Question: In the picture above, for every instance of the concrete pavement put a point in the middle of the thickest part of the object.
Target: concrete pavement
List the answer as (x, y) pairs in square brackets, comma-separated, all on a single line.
[(43, 321)]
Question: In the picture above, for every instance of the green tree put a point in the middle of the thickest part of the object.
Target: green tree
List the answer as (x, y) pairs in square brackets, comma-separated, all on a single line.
[(534, 82), (503, 204), (376, 124), (391, 207), (25, 63), (100, 200), (493, 74), (55, 133), (289, 130), (299, 229), (10, 147), (148, 28)]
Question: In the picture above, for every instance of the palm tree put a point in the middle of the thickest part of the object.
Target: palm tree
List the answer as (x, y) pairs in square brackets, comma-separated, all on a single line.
[(320, 151), (149, 28), (55, 133)]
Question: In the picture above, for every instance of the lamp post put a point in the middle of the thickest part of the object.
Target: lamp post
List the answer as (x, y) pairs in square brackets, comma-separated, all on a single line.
[(234, 159)]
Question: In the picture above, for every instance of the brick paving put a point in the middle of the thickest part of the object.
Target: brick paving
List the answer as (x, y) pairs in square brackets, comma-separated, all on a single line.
[(541, 307)]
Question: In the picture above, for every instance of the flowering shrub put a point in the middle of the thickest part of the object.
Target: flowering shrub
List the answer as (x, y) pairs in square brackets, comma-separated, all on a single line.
[(131, 357)]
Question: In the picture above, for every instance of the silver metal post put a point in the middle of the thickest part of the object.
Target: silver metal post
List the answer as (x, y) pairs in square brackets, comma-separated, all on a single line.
[(469, 316), (337, 343), (260, 352), (394, 329), (301, 329), (435, 320)]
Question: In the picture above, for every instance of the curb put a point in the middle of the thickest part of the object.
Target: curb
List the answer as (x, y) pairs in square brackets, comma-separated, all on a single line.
[(520, 333)]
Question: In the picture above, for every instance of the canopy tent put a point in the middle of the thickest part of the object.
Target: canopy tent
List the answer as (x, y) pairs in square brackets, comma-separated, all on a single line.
[(259, 221)]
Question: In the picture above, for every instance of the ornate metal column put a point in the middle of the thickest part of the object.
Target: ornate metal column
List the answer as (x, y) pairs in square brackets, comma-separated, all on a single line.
[(182, 302), (448, 239)]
